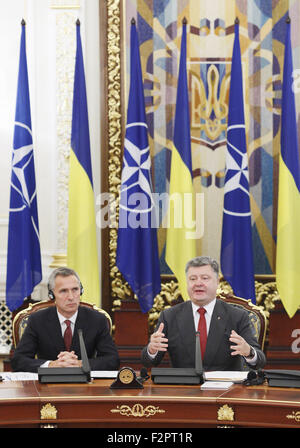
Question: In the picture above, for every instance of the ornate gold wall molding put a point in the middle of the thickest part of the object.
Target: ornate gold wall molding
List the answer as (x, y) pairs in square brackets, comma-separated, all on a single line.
[(119, 289)]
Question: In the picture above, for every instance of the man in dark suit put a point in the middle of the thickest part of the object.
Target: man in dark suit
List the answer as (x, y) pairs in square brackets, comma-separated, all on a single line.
[(228, 335), (43, 342)]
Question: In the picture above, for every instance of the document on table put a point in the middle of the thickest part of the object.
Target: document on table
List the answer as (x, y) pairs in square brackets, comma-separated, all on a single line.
[(28, 376), (233, 376), (216, 385), (104, 374), (19, 376)]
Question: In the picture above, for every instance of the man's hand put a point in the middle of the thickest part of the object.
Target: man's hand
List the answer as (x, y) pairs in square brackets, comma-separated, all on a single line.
[(66, 359), (241, 348), (158, 343)]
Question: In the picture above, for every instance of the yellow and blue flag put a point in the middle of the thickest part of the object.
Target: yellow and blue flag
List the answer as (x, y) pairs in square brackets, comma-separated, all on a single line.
[(236, 247), (288, 236), (180, 246), (24, 269), (137, 247), (82, 253)]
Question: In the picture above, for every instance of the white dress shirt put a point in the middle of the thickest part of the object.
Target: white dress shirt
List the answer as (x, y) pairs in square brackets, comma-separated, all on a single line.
[(62, 320), (209, 310)]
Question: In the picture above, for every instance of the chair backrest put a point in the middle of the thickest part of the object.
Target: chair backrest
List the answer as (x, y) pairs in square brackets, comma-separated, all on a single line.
[(257, 317), (21, 318)]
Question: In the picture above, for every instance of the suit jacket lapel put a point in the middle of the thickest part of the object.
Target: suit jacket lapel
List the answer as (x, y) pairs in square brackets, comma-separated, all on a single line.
[(187, 331), (217, 332), (79, 324), (54, 330)]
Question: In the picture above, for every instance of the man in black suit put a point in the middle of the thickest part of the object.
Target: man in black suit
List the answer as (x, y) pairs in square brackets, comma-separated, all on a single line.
[(42, 343), (228, 331)]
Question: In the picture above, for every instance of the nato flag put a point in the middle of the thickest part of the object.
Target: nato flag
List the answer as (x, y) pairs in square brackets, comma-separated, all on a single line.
[(236, 247), (137, 248), (24, 270)]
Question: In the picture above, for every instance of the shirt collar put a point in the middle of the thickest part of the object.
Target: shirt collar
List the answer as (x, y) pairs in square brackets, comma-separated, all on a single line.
[(63, 318), (209, 307)]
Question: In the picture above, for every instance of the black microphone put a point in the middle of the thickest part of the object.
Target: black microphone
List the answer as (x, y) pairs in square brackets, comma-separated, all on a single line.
[(84, 358), (254, 378), (198, 359), (143, 375)]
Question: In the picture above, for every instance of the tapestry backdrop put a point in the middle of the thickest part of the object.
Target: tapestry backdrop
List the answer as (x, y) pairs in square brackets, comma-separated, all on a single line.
[(210, 33)]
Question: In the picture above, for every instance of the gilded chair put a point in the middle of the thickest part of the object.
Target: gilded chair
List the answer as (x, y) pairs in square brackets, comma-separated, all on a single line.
[(21, 318), (257, 317)]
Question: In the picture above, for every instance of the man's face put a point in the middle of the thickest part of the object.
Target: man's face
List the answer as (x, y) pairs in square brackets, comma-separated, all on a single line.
[(67, 294), (202, 284)]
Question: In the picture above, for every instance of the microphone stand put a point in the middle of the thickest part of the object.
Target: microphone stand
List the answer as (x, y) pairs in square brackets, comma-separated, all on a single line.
[(198, 359)]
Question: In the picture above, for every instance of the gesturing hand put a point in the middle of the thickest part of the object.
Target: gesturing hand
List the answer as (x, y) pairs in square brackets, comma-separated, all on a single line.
[(242, 347), (158, 342)]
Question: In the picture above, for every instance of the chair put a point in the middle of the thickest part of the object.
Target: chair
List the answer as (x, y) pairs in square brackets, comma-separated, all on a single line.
[(257, 317), (21, 318)]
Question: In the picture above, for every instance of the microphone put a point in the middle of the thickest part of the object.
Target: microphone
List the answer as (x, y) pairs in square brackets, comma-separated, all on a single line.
[(254, 378), (198, 359), (143, 375), (84, 358)]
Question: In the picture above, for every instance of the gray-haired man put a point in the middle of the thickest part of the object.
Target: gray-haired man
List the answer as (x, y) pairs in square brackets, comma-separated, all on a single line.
[(43, 342)]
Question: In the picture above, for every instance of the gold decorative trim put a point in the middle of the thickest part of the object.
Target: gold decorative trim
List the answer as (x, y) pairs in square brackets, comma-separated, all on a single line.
[(226, 413), (294, 416), (48, 412), (119, 289), (59, 260), (138, 410)]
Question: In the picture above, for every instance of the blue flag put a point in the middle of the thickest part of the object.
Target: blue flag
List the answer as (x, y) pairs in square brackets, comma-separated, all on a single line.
[(236, 247), (24, 270), (137, 249)]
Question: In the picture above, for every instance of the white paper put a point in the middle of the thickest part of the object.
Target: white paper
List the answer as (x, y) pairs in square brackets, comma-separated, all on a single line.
[(19, 376), (216, 385), (235, 376), (104, 373)]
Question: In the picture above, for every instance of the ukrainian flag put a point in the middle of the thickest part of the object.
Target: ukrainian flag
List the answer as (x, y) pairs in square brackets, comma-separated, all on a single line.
[(288, 236), (82, 242), (180, 245)]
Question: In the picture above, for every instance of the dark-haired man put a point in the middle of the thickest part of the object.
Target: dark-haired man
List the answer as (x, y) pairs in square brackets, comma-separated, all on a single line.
[(226, 337)]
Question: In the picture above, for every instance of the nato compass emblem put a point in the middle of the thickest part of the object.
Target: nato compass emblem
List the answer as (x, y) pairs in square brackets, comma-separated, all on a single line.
[(236, 189), (136, 188), (23, 191)]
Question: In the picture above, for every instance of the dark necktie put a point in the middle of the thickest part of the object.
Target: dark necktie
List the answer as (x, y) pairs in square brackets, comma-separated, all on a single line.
[(202, 330), (68, 335)]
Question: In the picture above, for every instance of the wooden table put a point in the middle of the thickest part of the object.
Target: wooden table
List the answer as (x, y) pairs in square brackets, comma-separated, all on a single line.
[(31, 404)]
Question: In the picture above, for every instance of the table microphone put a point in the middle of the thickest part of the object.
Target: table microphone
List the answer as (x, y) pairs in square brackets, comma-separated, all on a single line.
[(198, 359), (143, 375), (84, 358)]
